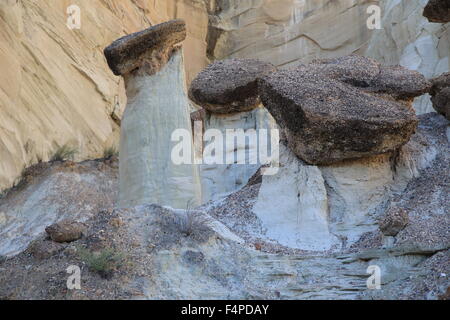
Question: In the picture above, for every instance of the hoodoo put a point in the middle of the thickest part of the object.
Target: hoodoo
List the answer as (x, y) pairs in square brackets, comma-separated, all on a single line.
[(152, 65), (228, 92)]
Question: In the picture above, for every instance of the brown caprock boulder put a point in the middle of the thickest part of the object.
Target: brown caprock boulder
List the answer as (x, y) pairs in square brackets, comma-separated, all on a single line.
[(344, 108), (440, 94), (229, 86), (437, 11)]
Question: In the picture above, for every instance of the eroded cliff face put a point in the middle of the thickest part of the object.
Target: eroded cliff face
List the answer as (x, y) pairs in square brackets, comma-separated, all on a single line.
[(55, 85), (287, 32), (408, 39)]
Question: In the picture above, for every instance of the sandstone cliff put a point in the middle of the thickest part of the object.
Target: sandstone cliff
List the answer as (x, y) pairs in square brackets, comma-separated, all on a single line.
[(55, 85), (289, 32)]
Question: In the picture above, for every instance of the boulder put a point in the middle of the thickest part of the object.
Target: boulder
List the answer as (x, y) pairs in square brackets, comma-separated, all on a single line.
[(345, 108), (437, 11), (66, 231), (44, 249), (229, 86), (393, 221), (440, 94)]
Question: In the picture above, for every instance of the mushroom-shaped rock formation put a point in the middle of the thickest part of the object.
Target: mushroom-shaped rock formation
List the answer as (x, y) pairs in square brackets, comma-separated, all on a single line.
[(437, 11), (344, 108), (228, 92), (440, 94), (229, 86), (152, 65), (150, 48)]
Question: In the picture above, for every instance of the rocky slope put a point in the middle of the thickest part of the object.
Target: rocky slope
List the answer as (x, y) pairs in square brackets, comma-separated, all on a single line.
[(228, 249), (362, 181)]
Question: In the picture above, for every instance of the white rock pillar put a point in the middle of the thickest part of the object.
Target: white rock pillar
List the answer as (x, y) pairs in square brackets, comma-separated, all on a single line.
[(153, 69), (228, 92)]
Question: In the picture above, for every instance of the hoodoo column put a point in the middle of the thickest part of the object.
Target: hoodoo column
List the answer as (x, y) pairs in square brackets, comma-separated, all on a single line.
[(151, 63)]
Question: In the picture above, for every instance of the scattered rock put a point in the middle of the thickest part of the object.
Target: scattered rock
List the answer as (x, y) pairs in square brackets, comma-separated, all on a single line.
[(193, 257), (116, 222), (66, 231), (446, 295), (229, 86), (394, 220), (440, 94), (258, 246), (437, 11), (345, 108), (70, 250), (149, 48), (44, 249), (3, 218)]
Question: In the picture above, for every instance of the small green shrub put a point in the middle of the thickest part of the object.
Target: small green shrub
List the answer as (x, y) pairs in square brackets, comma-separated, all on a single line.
[(64, 152), (103, 262), (110, 152)]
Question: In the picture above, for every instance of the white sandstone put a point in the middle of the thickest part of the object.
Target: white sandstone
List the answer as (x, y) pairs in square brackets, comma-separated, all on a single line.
[(157, 105)]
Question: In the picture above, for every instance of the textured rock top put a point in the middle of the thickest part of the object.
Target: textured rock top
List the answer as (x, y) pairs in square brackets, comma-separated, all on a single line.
[(437, 11), (130, 51), (369, 75), (230, 85), (345, 108)]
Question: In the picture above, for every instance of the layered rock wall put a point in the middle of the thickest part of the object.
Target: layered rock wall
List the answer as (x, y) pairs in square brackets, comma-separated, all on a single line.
[(287, 32), (409, 39), (55, 85)]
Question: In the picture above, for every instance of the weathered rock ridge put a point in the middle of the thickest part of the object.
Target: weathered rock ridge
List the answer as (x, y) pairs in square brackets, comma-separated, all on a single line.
[(409, 39)]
